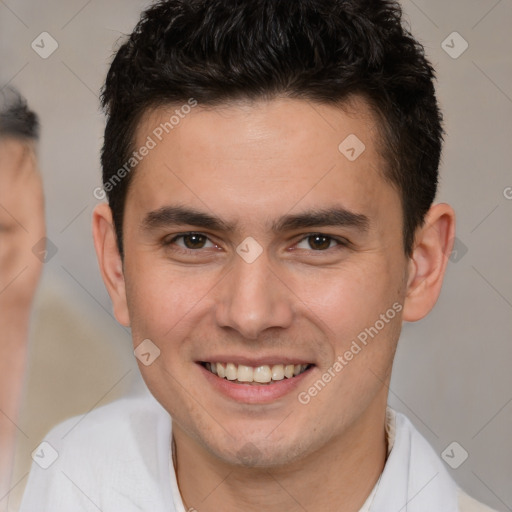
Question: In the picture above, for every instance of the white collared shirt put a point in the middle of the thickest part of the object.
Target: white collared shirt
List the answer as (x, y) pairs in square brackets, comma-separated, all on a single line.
[(117, 459)]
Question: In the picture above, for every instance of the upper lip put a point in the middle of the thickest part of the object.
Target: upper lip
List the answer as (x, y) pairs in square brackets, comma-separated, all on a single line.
[(255, 361)]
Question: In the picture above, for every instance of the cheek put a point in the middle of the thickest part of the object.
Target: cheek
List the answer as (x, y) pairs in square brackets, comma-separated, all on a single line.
[(161, 300), (350, 299)]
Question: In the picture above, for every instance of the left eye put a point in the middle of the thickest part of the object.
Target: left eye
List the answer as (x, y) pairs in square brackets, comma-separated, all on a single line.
[(318, 242)]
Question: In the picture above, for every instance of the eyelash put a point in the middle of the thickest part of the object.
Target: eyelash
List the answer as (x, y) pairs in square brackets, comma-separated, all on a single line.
[(340, 241)]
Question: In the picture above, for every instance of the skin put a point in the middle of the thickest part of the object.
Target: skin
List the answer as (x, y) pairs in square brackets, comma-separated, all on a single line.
[(21, 227), (250, 164)]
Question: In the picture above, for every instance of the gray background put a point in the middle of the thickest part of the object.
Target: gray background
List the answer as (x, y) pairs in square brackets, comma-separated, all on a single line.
[(452, 374)]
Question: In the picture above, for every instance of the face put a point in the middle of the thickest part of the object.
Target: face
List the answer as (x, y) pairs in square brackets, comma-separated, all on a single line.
[(252, 243), (22, 226)]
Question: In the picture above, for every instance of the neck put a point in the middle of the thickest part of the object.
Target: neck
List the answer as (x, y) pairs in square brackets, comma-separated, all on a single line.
[(341, 473)]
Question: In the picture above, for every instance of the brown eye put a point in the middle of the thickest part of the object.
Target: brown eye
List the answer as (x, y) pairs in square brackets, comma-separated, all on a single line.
[(319, 242), (190, 241), (194, 241)]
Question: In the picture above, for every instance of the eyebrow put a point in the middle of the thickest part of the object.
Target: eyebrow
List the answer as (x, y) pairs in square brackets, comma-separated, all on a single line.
[(181, 216)]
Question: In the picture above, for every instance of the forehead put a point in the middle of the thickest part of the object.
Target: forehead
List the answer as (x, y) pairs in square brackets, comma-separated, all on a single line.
[(13, 151), (256, 157), (252, 129)]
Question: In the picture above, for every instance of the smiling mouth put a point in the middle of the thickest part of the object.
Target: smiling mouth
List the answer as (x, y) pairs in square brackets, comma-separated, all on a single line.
[(265, 374)]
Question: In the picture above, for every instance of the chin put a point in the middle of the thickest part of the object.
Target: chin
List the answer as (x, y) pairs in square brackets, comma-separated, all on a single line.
[(264, 453)]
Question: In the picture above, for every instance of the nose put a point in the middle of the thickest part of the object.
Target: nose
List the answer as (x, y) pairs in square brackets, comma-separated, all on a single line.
[(252, 298)]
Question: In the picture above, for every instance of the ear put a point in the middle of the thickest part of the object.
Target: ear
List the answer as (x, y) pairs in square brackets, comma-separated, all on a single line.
[(432, 248), (109, 259)]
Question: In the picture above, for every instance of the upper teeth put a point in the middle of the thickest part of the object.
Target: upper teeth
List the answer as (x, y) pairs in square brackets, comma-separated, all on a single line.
[(261, 374)]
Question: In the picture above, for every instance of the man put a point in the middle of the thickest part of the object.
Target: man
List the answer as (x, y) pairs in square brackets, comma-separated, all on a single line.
[(22, 229), (271, 168)]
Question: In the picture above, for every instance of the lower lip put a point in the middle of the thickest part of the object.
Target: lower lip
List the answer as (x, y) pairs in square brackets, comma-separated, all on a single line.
[(254, 394)]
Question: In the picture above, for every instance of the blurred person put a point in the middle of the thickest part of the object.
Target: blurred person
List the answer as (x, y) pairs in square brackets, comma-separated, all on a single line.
[(22, 231), (271, 169)]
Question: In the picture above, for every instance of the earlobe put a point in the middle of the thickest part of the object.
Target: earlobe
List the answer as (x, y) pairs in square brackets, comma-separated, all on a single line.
[(109, 260), (427, 265)]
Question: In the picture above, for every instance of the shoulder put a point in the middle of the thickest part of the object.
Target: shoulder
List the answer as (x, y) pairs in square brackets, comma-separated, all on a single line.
[(468, 504), (110, 427), (113, 453), (398, 424)]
